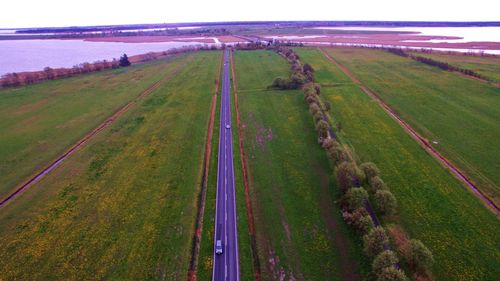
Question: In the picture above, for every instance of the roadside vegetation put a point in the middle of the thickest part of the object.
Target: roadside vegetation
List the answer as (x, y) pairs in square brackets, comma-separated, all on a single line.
[(39, 122), (124, 206), (300, 232), (457, 115), (432, 206)]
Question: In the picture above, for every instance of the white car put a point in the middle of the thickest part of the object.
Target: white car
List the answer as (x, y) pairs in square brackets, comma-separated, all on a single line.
[(218, 247), (228, 126)]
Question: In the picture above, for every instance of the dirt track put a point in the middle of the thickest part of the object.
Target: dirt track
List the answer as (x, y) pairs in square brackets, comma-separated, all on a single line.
[(424, 143), (110, 120)]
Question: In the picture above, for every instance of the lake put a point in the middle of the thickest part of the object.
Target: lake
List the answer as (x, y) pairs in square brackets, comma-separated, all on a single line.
[(33, 55), (468, 34)]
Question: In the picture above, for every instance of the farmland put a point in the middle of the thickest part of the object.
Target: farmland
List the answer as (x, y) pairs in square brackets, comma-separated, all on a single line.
[(298, 227), (486, 66), (123, 207), (459, 115), (41, 121), (434, 206)]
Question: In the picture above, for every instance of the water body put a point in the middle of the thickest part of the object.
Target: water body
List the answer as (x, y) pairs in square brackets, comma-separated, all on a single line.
[(467, 34), (34, 55)]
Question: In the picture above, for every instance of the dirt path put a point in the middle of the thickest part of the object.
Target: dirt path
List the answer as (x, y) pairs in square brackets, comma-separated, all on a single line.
[(110, 120), (195, 250), (424, 143), (248, 202)]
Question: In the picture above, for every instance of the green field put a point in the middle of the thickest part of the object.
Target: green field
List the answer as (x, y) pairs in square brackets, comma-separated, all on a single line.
[(434, 206), (39, 122), (461, 114), (299, 229), (487, 66), (123, 207)]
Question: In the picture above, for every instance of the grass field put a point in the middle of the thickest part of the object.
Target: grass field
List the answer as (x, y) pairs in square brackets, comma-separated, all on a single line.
[(434, 206), (298, 226), (123, 207), (461, 114), (486, 66), (39, 122)]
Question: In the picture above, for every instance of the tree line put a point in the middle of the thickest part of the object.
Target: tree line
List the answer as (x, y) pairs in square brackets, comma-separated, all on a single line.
[(359, 186), (432, 62)]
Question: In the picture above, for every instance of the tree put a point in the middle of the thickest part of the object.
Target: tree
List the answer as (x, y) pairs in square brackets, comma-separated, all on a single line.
[(376, 183), (314, 108), (328, 106), (365, 224), (348, 175), (308, 68), (328, 143), (419, 256), (356, 197), (318, 116), (385, 259), (374, 241), (370, 169), (322, 128), (337, 154), (392, 274), (124, 62), (385, 202)]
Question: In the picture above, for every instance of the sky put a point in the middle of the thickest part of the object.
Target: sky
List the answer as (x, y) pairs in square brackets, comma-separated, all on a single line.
[(38, 13)]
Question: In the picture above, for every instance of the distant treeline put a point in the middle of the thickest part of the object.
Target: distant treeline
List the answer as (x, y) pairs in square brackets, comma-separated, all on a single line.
[(256, 23), (27, 78), (442, 65)]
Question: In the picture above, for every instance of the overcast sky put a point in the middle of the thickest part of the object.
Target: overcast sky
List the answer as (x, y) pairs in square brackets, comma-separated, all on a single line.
[(41, 13)]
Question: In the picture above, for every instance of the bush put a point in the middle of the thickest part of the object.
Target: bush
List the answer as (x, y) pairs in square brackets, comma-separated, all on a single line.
[(356, 197), (419, 257), (392, 274), (370, 170), (385, 202), (376, 183), (374, 241), (385, 259)]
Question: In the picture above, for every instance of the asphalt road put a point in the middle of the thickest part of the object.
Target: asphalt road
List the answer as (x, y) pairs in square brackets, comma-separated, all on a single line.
[(226, 265)]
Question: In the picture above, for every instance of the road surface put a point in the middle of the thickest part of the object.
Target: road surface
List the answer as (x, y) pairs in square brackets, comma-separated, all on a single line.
[(226, 265)]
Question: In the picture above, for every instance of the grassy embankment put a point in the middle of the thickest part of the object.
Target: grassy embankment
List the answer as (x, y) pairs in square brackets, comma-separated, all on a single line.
[(299, 229), (40, 122), (461, 114), (123, 207), (433, 206), (486, 66)]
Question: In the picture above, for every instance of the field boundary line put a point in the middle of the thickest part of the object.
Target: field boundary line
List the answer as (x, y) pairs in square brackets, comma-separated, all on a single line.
[(195, 249), (424, 143), (244, 168), (37, 176)]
